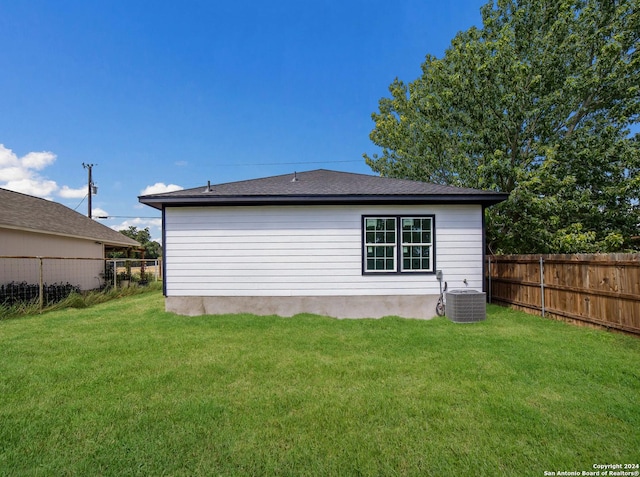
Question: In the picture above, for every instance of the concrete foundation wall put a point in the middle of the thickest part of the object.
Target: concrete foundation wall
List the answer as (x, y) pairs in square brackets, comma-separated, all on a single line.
[(408, 306)]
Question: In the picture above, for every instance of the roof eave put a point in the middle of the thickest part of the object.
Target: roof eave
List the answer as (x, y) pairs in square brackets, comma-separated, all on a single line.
[(186, 201), (72, 236)]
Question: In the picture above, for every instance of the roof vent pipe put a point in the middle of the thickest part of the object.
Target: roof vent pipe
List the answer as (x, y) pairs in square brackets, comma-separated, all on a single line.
[(295, 177), (208, 186)]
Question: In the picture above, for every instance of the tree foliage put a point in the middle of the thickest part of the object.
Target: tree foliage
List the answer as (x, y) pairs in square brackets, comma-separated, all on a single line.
[(541, 103), (152, 249)]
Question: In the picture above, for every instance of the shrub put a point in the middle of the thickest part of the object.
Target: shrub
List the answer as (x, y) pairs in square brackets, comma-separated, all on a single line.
[(14, 293)]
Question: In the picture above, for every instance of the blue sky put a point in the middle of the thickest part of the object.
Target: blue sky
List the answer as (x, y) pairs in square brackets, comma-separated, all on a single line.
[(164, 94)]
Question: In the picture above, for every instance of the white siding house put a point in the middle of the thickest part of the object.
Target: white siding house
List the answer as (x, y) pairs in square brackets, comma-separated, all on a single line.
[(312, 253)]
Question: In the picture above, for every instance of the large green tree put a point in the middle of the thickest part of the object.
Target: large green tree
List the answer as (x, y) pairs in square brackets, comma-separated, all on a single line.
[(152, 249), (541, 102)]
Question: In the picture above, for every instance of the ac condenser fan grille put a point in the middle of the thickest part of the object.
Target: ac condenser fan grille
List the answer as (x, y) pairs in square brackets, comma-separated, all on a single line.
[(466, 306)]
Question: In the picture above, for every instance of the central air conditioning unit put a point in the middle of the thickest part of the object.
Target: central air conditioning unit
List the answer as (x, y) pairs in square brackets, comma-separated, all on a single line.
[(466, 306)]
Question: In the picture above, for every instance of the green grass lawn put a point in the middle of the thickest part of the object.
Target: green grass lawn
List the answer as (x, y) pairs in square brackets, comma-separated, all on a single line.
[(124, 388)]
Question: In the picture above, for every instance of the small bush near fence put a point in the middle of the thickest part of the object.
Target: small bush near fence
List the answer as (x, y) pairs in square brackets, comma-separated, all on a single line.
[(67, 281), (15, 293), (75, 299)]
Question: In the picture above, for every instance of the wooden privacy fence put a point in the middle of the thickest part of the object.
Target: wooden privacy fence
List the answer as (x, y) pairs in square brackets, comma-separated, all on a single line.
[(602, 290)]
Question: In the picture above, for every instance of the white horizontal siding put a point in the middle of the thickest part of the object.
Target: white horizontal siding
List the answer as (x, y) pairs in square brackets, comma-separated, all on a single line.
[(306, 251)]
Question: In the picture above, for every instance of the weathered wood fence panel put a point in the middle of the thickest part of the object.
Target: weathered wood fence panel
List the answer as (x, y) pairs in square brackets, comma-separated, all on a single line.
[(602, 290)]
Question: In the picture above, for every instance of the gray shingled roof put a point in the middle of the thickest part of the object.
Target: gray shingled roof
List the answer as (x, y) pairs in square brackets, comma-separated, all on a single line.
[(25, 212), (322, 187)]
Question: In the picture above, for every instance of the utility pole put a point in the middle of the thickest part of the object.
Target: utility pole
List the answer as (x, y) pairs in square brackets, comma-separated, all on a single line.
[(89, 186)]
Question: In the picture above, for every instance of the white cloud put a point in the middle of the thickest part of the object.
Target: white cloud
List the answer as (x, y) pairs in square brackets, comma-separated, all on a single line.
[(140, 223), (36, 187), (7, 157), (14, 173), (38, 160), (22, 174), (181, 163), (98, 212), (69, 193), (19, 173), (159, 188)]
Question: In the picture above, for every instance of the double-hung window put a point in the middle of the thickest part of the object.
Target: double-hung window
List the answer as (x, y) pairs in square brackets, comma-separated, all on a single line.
[(380, 244), (401, 244)]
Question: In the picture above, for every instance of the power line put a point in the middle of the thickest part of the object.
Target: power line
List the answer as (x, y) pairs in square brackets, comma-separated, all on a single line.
[(81, 202), (224, 165), (283, 163), (124, 217)]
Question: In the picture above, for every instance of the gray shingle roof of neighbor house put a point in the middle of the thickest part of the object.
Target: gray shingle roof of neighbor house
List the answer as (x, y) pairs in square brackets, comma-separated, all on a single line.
[(322, 187), (25, 212)]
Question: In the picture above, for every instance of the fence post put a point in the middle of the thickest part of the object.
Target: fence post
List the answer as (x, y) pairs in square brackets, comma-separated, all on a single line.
[(41, 286), (489, 268), (542, 285)]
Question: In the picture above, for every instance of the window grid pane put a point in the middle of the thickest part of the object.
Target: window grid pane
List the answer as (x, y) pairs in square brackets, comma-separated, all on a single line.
[(383, 236), (416, 244), (380, 243)]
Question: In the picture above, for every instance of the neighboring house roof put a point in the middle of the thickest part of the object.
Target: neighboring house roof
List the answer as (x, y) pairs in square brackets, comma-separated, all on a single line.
[(322, 187), (25, 212)]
